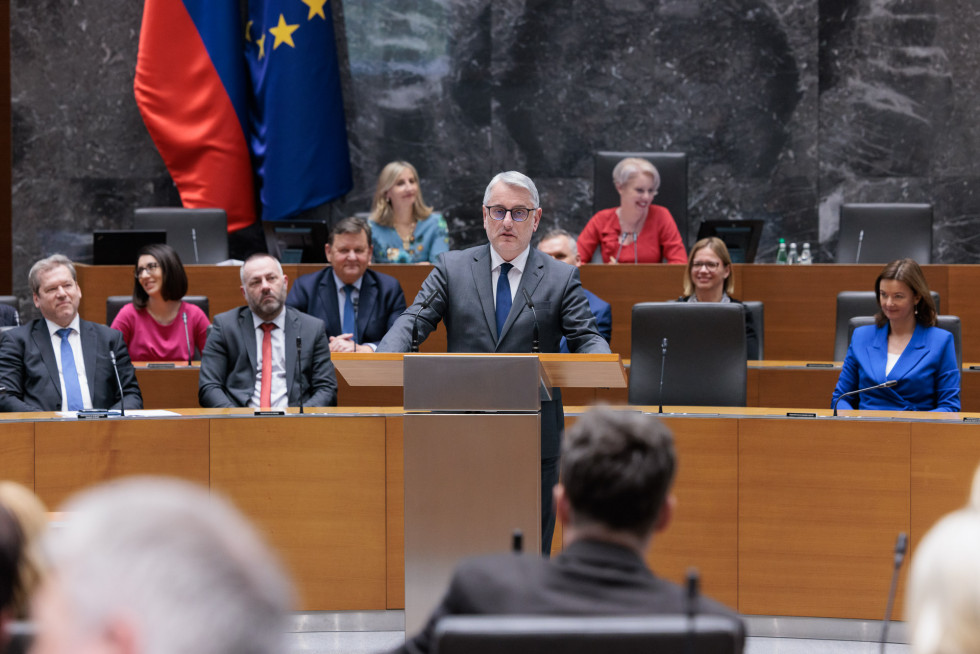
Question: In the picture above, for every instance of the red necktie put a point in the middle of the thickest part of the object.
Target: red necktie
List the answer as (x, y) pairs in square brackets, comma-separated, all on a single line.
[(265, 395)]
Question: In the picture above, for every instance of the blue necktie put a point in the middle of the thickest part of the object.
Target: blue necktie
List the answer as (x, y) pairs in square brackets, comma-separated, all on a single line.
[(350, 321), (504, 300), (72, 388)]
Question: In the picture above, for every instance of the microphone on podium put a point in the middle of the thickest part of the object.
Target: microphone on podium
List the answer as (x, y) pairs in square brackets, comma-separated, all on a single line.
[(901, 546), (187, 337), (122, 396), (663, 364), (887, 384), (415, 323)]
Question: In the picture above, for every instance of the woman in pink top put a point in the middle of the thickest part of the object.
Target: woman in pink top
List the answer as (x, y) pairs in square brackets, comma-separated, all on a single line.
[(158, 324), (637, 231)]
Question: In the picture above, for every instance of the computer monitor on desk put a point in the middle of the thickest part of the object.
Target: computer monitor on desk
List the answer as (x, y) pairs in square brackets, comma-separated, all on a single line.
[(741, 237), (118, 247), (296, 241), (198, 235)]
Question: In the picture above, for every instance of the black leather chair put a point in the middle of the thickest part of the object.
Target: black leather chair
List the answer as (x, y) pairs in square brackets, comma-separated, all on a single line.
[(12, 302), (672, 194), (757, 310), (949, 323), (856, 303), (891, 231), (706, 354), (663, 634), (115, 303)]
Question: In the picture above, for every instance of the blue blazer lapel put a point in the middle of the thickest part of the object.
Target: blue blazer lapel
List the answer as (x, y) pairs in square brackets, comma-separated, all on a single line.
[(42, 341), (328, 297), (484, 288), (913, 353)]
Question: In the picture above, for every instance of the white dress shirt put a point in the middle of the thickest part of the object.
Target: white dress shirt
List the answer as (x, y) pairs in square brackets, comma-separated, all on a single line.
[(514, 276), (280, 392), (75, 340)]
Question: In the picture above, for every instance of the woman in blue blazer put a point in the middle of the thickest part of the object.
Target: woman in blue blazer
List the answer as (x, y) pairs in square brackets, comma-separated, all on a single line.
[(904, 345)]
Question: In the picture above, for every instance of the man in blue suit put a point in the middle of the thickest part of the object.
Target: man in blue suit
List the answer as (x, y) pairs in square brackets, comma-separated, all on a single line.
[(479, 294), (357, 305), (561, 245)]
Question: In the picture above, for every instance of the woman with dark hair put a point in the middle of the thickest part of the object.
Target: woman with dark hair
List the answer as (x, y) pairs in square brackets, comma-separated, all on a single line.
[(709, 278), (158, 323), (404, 228), (903, 345)]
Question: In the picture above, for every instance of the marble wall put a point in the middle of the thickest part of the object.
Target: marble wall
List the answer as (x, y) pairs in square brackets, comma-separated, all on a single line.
[(786, 108)]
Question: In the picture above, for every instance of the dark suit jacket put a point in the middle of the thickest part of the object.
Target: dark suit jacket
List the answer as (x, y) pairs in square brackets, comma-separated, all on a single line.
[(586, 578), (29, 370), (8, 316), (380, 301), (927, 373), (603, 317), (751, 337), (228, 364), (465, 302)]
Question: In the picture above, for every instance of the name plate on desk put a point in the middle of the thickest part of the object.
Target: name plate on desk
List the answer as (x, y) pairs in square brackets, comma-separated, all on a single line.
[(472, 383)]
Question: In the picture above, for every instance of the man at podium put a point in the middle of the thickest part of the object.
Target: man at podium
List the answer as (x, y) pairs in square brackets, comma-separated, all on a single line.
[(507, 297)]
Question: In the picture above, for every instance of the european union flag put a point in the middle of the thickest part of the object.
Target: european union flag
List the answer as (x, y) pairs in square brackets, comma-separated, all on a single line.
[(298, 133)]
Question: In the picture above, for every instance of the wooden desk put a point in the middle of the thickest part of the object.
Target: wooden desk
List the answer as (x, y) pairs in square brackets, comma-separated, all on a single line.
[(800, 301), (782, 516)]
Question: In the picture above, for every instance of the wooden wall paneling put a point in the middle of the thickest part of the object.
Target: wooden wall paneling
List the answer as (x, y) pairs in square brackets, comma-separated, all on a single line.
[(17, 452), (74, 454), (317, 487), (962, 301), (820, 504), (704, 532)]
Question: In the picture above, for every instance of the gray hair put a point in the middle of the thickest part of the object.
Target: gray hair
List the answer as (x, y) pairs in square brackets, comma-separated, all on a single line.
[(44, 265), (558, 232), (514, 178), (943, 598), (183, 562), (634, 166), (254, 257)]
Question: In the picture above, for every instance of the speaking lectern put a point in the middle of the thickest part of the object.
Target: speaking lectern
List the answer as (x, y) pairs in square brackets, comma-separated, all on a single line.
[(472, 443)]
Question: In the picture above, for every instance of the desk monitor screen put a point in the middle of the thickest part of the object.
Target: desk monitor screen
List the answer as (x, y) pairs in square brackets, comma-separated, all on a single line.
[(198, 235), (741, 237), (118, 247), (296, 241)]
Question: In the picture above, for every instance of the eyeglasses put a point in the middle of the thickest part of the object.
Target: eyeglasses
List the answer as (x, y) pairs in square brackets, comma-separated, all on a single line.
[(148, 268), (517, 214), (710, 265)]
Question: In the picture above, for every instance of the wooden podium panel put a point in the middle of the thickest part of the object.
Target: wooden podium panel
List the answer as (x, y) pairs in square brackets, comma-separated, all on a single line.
[(317, 487), (704, 531), (944, 458), (17, 453), (821, 502), (74, 454)]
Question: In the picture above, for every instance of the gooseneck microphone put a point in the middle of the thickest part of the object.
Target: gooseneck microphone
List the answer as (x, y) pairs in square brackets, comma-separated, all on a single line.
[(901, 546), (535, 340), (857, 257), (187, 335), (122, 396), (415, 323), (299, 370), (693, 588), (887, 384), (663, 364), (197, 259), (517, 541)]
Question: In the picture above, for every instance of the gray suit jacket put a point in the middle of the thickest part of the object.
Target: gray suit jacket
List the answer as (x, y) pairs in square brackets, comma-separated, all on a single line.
[(228, 364), (29, 371), (464, 300)]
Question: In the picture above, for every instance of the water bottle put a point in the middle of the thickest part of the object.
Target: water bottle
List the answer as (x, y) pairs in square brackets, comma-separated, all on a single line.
[(805, 257), (781, 256), (793, 256)]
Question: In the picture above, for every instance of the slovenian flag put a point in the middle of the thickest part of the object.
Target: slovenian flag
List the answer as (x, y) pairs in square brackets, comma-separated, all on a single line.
[(298, 133), (192, 90)]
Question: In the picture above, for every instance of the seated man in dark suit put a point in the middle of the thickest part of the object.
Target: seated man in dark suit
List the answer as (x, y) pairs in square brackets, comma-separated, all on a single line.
[(562, 246), (617, 471), (376, 299), (266, 355), (8, 316), (60, 362)]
